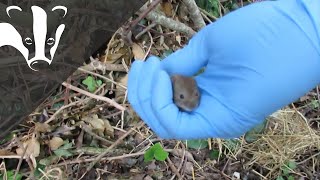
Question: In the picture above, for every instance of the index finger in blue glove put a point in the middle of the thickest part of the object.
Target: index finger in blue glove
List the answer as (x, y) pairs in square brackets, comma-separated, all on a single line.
[(190, 59), (133, 87), (150, 69), (139, 88)]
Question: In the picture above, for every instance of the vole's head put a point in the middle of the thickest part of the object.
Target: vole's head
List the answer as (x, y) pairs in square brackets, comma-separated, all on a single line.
[(186, 94)]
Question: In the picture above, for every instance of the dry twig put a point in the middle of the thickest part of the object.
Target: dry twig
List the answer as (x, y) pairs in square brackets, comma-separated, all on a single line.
[(114, 145), (102, 98), (87, 130), (195, 14), (168, 22)]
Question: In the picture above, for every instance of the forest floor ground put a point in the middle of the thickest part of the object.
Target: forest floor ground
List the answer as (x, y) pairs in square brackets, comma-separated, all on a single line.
[(286, 146)]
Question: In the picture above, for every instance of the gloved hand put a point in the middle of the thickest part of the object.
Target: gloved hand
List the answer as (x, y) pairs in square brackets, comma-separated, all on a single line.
[(257, 60)]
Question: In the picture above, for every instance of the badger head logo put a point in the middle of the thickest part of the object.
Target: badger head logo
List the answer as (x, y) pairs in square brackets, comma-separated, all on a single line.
[(11, 37)]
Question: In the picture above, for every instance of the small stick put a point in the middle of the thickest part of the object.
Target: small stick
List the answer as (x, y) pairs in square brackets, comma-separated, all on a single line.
[(208, 14), (169, 23), (149, 49), (21, 158), (206, 17), (111, 115), (174, 169), (87, 130), (67, 93), (62, 108), (12, 157), (127, 28), (102, 77), (181, 163), (19, 164), (77, 161), (144, 13), (195, 14), (114, 145), (152, 25), (96, 64), (102, 98)]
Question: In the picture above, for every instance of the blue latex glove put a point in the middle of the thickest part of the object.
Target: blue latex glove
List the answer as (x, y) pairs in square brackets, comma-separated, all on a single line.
[(258, 59)]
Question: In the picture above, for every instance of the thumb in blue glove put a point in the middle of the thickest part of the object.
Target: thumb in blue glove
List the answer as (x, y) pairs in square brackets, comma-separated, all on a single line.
[(257, 60)]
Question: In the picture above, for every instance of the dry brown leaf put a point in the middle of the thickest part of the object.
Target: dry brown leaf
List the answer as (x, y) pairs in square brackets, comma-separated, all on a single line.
[(102, 127), (108, 129), (96, 123), (111, 58), (55, 143), (42, 127), (118, 45), (4, 152), (138, 52), (167, 8), (33, 148)]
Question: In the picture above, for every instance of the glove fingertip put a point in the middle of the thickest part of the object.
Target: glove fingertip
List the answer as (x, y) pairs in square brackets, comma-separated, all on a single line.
[(133, 82), (162, 91)]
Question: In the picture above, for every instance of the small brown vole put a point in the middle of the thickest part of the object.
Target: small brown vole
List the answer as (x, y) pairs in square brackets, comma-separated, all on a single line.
[(186, 93)]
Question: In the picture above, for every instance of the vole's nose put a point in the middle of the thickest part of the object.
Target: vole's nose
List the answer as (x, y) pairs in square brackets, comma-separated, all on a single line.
[(194, 104)]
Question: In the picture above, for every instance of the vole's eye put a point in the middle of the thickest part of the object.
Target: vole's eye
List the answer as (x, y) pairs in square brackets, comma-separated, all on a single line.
[(181, 96), (197, 94)]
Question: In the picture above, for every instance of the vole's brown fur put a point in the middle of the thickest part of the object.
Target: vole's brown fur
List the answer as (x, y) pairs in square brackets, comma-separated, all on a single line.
[(186, 93)]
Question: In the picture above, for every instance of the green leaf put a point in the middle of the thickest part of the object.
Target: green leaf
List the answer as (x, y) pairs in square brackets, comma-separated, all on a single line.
[(10, 176), (6, 138), (143, 22), (64, 150), (235, 6), (157, 152), (279, 178), (49, 160), (292, 165), (160, 154), (37, 173), (315, 104), (66, 145), (201, 3), (62, 153), (197, 144), (255, 133), (148, 155), (99, 82), (214, 154), (211, 6), (290, 178), (57, 105), (285, 171), (91, 83)]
